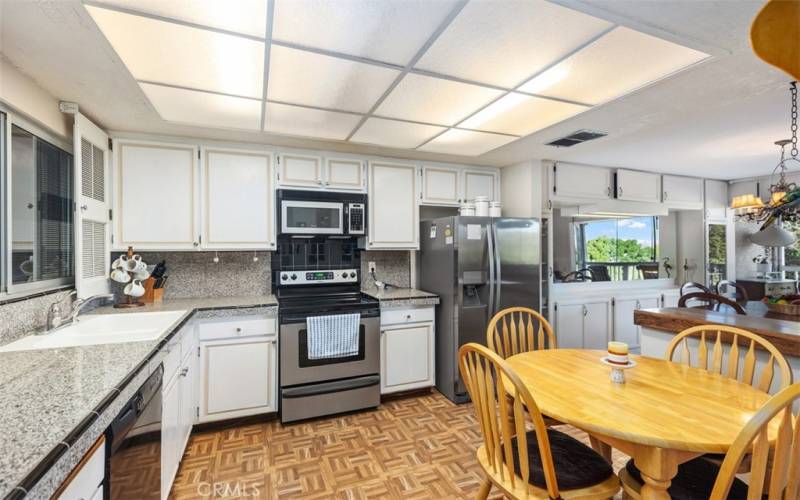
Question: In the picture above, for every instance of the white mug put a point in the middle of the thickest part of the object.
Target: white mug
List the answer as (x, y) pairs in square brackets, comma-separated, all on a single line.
[(135, 263), (120, 275), (134, 289), (141, 274), (120, 261)]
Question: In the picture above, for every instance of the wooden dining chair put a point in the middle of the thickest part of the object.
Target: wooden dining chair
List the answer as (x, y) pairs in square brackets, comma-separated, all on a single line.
[(691, 286), (519, 329), (720, 336), (539, 463), (781, 481), (739, 293), (712, 300)]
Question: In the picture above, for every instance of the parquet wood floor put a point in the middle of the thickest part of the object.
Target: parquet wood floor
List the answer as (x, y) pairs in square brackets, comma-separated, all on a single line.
[(416, 447)]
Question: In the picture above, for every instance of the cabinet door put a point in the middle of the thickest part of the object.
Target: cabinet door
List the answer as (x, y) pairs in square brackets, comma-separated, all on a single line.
[(393, 211), (170, 434), (670, 298), (638, 186), (407, 357), (238, 198), (156, 188), (345, 173), (545, 177), (186, 379), (624, 329), (569, 326), (238, 378), (480, 183), (581, 181), (300, 170), (716, 200), (682, 192), (440, 186), (596, 325)]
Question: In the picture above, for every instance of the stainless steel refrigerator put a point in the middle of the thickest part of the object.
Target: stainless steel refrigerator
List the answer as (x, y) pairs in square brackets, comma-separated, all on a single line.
[(478, 266)]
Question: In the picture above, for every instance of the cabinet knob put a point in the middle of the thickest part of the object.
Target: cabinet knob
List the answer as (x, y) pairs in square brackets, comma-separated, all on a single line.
[(184, 371), (408, 316), (195, 244), (619, 191), (238, 330), (665, 196), (383, 331), (84, 207)]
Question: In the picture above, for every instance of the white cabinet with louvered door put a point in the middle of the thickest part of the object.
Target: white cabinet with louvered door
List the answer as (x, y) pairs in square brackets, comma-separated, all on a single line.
[(92, 231), (345, 174), (580, 182), (300, 170), (481, 183), (716, 200), (393, 210), (441, 186), (682, 192), (238, 200), (156, 188), (638, 186)]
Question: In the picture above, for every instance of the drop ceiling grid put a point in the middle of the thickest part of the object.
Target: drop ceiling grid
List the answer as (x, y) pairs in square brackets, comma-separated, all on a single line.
[(268, 41)]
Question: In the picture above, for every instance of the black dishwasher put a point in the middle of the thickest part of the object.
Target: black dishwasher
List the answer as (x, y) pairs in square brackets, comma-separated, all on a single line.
[(133, 445)]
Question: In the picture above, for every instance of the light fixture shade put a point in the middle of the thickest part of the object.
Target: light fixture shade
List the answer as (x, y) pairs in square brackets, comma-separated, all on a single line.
[(773, 236)]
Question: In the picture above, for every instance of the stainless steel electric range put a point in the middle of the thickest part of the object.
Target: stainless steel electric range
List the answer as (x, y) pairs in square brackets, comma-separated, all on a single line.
[(320, 275)]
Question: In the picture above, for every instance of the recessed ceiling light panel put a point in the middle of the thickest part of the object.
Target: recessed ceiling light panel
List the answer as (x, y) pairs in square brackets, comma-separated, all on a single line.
[(466, 142), (394, 134), (306, 122), (503, 43), (165, 52), (301, 77), (520, 114), (434, 100), (391, 31), (617, 63), (248, 17), (203, 109)]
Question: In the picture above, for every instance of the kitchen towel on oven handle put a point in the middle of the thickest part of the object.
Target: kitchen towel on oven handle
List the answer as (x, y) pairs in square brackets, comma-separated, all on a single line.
[(333, 336)]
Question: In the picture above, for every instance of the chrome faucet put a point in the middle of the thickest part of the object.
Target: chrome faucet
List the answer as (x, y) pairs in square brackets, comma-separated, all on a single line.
[(80, 304)]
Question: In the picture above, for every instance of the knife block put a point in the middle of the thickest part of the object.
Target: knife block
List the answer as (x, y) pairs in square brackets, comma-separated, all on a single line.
[(152, 294)]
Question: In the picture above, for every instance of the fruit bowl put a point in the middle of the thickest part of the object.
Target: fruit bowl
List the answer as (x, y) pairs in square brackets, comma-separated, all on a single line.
[(783, 304)]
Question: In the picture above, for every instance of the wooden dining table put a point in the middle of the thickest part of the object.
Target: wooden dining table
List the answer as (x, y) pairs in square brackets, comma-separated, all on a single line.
[(665, 413)]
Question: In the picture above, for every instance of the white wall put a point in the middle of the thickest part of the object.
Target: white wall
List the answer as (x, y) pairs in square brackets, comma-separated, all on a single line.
[(520, 187), (25, 96), (690, 246), (668, 243)]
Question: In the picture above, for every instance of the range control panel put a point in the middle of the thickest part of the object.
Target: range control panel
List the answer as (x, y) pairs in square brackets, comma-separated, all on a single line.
[(320, 277)]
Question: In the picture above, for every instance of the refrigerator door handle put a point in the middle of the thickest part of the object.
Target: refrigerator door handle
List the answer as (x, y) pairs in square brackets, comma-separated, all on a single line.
[(490, 245), (498, 277)]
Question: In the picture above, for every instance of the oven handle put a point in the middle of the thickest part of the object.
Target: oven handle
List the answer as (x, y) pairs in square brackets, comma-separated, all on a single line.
[(329, 387), (375, 313)]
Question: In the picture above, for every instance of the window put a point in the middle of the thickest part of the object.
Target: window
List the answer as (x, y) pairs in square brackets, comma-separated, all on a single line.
[(39, 246), (717, 254), (618, 249)]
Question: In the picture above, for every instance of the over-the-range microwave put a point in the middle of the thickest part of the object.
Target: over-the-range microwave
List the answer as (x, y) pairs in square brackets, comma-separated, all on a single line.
[(321, 213)]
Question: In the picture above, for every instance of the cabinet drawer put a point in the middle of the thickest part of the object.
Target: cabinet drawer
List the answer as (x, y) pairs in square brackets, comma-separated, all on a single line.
[(400, 316), (232, 328), (83, 482)]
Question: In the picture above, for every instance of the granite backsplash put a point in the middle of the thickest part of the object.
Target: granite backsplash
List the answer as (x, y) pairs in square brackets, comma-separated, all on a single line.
[(195, 274), (18, 318), (392, 266)]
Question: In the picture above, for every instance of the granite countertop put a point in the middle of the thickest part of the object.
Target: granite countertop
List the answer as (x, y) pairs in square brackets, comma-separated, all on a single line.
[(51, 396), (401, 297)]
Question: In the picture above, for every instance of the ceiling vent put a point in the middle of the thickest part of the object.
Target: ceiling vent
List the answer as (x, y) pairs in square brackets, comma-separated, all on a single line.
[(576, 138)]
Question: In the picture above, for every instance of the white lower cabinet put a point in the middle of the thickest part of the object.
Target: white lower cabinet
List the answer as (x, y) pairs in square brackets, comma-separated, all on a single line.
[(238, 368), (86, 481), (625, 330), (407, 350), (171, 449), (583, 325)]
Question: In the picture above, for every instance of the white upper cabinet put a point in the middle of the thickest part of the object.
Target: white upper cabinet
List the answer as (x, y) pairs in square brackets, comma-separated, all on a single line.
[(238, 200), (393, 211), (638, 186), (441, 185), (155, 196), (682, 192), (451, 185), (581, 182), (716, 200), (300, 170), (481, 183), (315, 172), (345, 173)]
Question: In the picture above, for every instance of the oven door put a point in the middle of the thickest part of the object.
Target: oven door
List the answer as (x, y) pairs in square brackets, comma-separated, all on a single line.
[(312, 217), (297, 369)]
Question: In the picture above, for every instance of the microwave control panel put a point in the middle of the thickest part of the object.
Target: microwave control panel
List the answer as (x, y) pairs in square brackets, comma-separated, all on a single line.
[(356, 218)]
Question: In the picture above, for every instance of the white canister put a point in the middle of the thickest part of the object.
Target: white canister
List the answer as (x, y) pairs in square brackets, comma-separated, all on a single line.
[(467, 209), (495, 209), (482, 206)]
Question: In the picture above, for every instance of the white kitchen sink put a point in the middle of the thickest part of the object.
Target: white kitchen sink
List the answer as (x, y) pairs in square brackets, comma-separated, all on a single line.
[(97, 329)]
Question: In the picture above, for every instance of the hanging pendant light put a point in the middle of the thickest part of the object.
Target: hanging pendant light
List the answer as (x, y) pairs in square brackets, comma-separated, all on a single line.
[(774, 236)]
